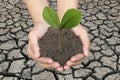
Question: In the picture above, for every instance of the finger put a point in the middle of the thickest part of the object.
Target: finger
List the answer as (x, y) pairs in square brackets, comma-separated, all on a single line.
[(40, 59), (33, 40), (44, 60), (68, 63), (66, 67), (50, 66), (71, 63), (56, 64), (77, 63), (77, 57), (60, 68)]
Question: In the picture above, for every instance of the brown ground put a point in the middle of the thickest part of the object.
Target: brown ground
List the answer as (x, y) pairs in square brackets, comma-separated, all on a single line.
[(49, 45)]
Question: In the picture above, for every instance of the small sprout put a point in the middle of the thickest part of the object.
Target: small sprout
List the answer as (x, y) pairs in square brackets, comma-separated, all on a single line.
[(71, 18), (51, 17)]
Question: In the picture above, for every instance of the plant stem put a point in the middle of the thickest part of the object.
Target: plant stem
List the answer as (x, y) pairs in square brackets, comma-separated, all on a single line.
[(60, 39)]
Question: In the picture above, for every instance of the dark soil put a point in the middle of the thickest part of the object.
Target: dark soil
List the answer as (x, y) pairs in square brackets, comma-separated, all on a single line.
[(49, 45)]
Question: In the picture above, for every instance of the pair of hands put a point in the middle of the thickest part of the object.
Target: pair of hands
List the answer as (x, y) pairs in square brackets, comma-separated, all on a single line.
[(33, 50)]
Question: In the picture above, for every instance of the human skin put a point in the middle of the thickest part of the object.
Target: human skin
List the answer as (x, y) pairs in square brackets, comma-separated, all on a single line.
[(63, 6), (35, 8)]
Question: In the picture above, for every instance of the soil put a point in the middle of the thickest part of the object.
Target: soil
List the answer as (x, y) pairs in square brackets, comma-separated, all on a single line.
[(49, 45)]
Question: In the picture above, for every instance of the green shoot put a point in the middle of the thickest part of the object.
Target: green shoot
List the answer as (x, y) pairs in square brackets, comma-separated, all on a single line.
[(71, 18)]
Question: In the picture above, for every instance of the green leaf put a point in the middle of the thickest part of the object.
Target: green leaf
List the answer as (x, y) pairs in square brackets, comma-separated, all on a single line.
[(51, 17), (71, 19)]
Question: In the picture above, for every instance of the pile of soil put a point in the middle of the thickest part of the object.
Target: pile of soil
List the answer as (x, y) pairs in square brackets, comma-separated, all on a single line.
[(49, 45)]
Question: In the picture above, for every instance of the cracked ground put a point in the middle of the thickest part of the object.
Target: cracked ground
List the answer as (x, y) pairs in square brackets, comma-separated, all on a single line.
[(101, 18)]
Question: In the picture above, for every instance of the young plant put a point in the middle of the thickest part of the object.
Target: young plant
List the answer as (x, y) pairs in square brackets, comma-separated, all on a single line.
[(71, 18)]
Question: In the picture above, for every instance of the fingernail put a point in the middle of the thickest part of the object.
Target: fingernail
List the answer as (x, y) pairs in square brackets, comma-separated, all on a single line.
[(37, 55), (60, 69), (86, 52), (66, 67)]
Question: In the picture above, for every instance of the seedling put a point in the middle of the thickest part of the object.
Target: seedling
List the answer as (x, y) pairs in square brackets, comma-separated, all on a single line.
[(71, 18)]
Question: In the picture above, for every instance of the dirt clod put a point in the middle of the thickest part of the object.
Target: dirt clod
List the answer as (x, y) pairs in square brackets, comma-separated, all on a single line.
[(49, 45)]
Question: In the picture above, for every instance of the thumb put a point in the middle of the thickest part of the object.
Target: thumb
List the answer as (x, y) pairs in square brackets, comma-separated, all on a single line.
[(85, 52), (81, 32), (35, 49), (86, 47), (34, 46), (36, 52)]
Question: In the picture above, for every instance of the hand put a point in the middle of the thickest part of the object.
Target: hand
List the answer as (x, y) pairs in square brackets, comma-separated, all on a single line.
[(77, 59), (33, 50)]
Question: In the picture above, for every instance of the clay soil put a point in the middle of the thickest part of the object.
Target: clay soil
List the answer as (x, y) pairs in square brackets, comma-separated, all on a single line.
[(49, 45)]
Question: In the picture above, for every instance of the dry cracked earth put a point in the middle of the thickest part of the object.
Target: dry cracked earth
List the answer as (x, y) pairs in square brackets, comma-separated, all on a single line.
[(101, 18)]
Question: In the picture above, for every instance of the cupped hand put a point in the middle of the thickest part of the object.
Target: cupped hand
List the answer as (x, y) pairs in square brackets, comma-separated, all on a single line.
[(77, 59), (33, 50)]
